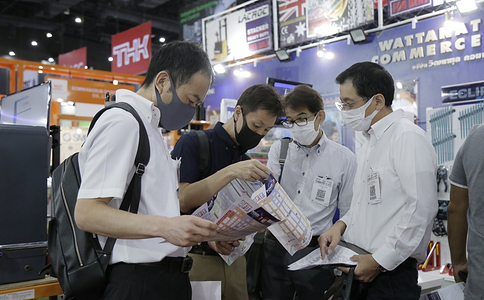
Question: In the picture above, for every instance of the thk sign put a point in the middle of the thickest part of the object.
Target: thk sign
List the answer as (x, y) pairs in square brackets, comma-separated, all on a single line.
[(131, 50)]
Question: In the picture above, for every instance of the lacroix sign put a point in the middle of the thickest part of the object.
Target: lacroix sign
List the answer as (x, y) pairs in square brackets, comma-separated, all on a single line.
[(74, 59), (131, 50)]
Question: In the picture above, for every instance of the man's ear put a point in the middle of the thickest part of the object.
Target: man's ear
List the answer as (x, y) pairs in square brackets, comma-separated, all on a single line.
[(322, 116), (237, 113), (162, 81), (379, 101)]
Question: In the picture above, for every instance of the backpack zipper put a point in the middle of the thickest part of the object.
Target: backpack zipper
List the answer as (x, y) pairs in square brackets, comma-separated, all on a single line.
[(76, 246)]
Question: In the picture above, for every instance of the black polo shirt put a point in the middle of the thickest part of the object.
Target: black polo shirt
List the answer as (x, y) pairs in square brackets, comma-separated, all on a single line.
[(223, 152)]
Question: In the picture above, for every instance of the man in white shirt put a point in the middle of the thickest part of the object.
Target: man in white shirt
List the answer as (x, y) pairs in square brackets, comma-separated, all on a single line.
[(147, 259), (318, 176), (395, 191)]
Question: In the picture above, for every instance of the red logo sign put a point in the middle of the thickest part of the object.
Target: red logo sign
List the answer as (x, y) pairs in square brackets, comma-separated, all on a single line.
[(131, 50), (74, 59)]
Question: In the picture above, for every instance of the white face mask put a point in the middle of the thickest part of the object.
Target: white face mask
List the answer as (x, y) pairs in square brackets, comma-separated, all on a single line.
[(355, 118), (305, 135)]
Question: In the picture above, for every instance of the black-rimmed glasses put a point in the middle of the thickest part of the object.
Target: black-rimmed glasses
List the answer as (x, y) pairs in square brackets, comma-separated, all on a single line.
[(299, 122)]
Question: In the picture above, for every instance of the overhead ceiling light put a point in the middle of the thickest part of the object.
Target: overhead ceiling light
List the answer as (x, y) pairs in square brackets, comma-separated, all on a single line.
[(33, 43), (48, 35), (41, 67), (51, 59), (162, 39), (40, 71), (282, 55), (67, 12), (11, 53), (467, 7), (239, 72), (78, 20), (358, 36), (110, 58), (399, 85), (220, 69)]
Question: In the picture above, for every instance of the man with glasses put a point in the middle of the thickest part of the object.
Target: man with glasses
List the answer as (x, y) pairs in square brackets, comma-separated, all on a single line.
[(318, 176), (395, 192)]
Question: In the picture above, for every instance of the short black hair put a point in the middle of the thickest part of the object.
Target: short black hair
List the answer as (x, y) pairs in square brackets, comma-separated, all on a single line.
[(369, 79), (302, 97), (261, 96), (182, 60)]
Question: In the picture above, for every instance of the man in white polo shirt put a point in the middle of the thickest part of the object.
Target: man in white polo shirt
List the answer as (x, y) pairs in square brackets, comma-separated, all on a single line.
[(395, 191), (146, 262)]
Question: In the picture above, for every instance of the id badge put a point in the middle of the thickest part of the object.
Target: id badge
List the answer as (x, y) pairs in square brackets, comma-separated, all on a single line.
[(322, 189), (374, 188)]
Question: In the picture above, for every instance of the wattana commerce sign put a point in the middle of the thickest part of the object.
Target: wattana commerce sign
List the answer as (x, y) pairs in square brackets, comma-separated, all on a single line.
[(131, 50), (74, 59), (435, 46)]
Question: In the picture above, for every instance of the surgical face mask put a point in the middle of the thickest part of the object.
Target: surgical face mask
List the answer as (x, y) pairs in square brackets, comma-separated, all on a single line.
[(304, 135), (246, 138), (176, 114), (355, 118)]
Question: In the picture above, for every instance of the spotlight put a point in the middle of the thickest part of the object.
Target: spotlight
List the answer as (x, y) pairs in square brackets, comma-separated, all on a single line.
[(115, 82), (33, 43), (322, 52), (110, 58), (51, 60), (358, 36), (220, 69), (467, 7), (48, 35), (282, 55), (162, 39), (239, 72), (78, 20), (11, 53), (449, 20)]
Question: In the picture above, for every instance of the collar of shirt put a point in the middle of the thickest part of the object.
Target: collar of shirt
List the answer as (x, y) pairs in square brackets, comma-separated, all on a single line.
[(319, 147), (145, 106), (225, 138), (382, 125)]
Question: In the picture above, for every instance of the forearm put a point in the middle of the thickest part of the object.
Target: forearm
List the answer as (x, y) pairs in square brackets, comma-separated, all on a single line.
[(339, 227), (457, 228), (192, 195), (96, 216)]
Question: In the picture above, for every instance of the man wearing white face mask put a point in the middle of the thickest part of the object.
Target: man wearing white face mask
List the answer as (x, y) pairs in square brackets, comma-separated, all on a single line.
[(318, 176), (395, 191)]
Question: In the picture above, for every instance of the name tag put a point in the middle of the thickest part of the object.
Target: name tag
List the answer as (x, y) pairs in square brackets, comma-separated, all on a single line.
[(374, 188), (322, 189)]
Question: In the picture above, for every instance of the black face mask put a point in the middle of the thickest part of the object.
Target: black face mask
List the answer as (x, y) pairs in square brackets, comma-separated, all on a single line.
[(246, 138)]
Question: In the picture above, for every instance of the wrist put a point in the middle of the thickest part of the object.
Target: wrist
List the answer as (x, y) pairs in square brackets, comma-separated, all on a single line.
[(381, 269)]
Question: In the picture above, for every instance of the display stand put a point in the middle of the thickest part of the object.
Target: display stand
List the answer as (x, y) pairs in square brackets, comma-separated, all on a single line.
[(32, 289)]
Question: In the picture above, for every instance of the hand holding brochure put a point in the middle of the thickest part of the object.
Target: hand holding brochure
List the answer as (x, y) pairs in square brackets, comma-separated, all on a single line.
[(340, 256), (243, 208)]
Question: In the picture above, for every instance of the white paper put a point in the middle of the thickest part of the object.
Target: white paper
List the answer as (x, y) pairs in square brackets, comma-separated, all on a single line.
[(206, 290), (451, 292), (340, 256)]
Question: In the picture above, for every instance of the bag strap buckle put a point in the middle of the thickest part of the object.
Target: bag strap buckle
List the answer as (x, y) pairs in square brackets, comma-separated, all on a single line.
[(140, 169)]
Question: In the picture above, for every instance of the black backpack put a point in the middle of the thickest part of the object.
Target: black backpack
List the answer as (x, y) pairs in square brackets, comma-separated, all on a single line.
[(77, 259)]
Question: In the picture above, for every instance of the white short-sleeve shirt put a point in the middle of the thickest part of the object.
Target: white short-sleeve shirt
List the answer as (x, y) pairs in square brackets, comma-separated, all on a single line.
[(106, 163)]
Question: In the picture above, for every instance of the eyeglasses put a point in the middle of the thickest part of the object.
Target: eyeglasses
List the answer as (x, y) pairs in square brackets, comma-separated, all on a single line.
[(345, 106), (299, 122)]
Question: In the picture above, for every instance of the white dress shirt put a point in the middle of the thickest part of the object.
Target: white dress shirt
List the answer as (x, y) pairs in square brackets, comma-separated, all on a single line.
[(106, 163), (399, 226), (301, 169)]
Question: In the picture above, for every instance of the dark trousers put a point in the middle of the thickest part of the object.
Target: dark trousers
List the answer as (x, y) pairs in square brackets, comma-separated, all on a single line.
[(399, 284), (277, 283), (144, 281)]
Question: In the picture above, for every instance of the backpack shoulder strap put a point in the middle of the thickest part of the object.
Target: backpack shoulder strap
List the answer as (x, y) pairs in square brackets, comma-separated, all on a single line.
[(204, 150), (283, 154), (133, 194)]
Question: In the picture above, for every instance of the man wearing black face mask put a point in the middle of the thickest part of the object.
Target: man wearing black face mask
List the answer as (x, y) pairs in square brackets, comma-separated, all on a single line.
[(149, 256), (255, 114)]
